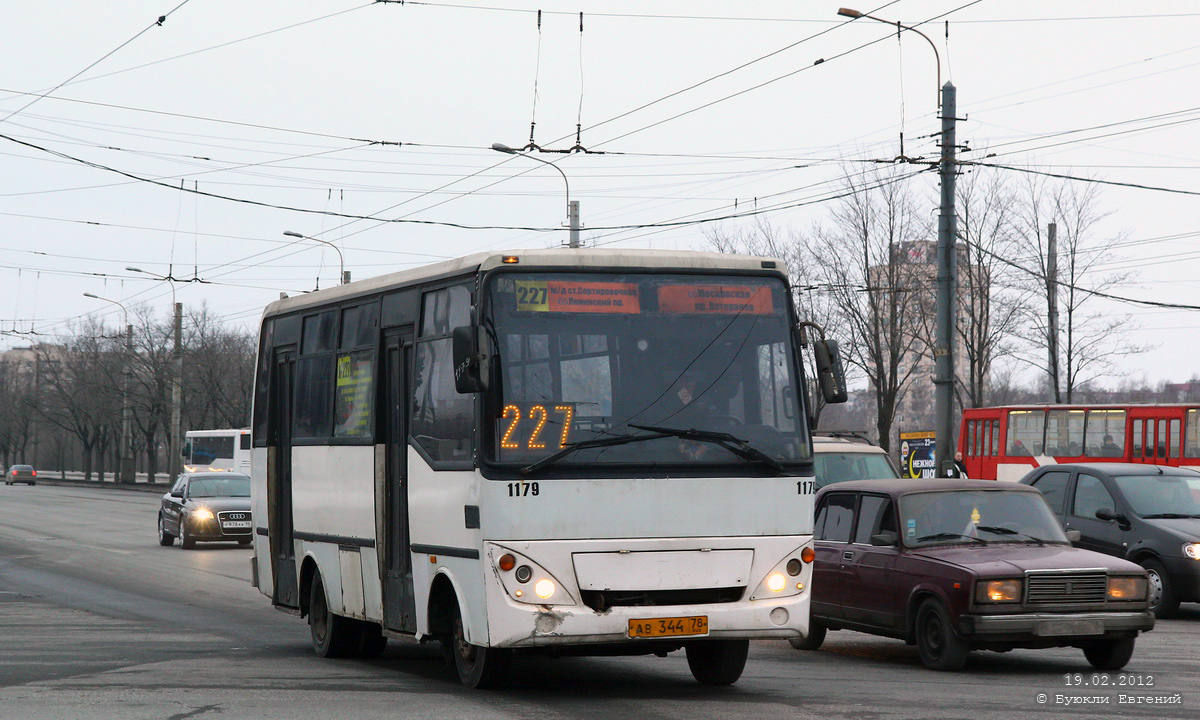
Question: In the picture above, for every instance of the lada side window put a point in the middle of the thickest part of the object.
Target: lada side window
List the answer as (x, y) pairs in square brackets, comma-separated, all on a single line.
[(1054, 488), (874, 516), (1090, 496), (838, 518)]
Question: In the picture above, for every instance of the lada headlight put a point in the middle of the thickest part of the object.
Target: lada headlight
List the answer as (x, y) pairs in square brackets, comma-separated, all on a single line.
[(998, 591), (1126, 588)]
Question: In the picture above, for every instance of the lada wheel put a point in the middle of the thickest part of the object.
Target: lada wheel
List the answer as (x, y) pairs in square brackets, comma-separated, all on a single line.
[(1109, 654), (717, 662), (478, 667), (1163, 602), (333, 636), (164, 538), (816, 637), (939, 647)]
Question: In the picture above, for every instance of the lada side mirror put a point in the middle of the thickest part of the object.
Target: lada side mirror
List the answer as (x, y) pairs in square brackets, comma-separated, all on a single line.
[(470, 359), (887, 538)]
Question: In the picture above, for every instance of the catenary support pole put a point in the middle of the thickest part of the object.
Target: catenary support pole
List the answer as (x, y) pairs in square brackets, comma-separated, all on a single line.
[(946, 288)]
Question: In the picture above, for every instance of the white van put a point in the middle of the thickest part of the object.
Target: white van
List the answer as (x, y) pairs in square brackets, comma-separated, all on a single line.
[(839, 457)]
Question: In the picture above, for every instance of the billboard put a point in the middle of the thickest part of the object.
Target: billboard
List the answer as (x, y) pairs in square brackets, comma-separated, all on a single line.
[(917, 458)]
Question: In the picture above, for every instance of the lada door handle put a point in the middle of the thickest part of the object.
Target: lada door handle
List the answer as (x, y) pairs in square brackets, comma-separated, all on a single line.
[(848, 555)]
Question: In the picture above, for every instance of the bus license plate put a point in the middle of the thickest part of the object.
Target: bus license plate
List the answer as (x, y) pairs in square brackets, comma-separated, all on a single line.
[(236, 525), (669, 627)]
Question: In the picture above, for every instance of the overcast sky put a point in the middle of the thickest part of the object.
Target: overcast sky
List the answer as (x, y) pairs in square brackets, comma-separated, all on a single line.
[(190, 147)]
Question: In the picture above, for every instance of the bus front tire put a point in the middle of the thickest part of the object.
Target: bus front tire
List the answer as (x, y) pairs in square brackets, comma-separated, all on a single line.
[(717, 662), (333, 636), (814, 639), (478, 667)]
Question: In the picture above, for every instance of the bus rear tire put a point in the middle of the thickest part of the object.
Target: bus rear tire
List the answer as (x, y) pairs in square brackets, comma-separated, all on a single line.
[(717, 662), (478, 667), (333, 636)]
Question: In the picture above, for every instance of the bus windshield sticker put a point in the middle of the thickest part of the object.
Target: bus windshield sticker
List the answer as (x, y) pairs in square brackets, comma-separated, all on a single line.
[(577, 297), (716, 299)]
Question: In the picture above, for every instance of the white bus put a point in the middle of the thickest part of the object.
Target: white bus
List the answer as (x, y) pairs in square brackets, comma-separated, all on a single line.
[(224, 449), (561, 451)]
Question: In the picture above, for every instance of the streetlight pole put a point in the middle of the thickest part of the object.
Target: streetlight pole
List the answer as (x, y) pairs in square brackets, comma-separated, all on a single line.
[(175, 432), (947, 259), (125, 472), (572, 205), (344, 274)]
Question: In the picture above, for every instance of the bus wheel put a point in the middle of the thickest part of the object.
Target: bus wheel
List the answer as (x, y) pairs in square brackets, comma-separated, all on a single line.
[(478, 667), (333, 636), (717, 662)]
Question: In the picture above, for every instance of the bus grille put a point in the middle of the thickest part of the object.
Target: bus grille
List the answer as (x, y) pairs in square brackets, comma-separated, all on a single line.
[(601, 600), (1066, 589)]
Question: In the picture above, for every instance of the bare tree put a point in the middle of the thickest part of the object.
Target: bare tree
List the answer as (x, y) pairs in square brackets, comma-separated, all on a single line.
[(862, 260), (218, 373), (1088, 339)]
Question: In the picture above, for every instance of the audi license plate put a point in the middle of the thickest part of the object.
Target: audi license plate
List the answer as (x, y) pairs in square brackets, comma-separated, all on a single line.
[(669, 627), (235, 525)]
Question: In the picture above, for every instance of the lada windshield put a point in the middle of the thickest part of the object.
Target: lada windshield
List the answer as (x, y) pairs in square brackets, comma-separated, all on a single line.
[(977, 516), (635, 358)]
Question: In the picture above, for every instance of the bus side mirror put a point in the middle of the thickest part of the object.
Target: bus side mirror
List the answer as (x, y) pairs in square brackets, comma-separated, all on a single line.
[(830, 376), (470, 359)]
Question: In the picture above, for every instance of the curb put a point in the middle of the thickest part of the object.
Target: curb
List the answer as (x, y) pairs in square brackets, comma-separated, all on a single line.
[(136, 487)]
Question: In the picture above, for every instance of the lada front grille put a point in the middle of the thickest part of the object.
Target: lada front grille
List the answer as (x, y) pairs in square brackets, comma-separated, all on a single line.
[(1066, 588)]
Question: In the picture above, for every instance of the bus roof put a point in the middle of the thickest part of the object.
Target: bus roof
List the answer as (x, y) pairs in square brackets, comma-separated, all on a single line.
[(543, 257)]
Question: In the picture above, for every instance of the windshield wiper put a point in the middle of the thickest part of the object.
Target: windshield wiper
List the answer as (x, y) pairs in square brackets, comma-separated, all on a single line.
[(584, 445), (1169, 516), (951, 536), (1009, 531), (737, 446)]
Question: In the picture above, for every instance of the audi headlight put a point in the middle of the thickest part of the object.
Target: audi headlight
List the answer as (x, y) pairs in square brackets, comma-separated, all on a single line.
[(202, 514), (1127, 588), (998, 591)]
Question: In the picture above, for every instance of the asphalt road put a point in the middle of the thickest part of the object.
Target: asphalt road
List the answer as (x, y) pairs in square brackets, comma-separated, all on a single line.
[(98, 621)]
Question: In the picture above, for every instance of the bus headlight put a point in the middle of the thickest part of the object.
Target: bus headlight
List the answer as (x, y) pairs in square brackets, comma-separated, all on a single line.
[(516, 571), (544, 588), (788, 577)]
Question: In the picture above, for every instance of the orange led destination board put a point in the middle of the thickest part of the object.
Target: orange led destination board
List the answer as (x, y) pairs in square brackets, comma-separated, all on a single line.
[(716, 299), (577, 297)]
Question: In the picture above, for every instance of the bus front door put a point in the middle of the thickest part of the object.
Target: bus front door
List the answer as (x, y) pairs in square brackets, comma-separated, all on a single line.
[(398, 600), (279, 485)]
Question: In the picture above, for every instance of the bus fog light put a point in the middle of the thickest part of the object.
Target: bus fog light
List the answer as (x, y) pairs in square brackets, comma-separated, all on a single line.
[(523, 574), (544, 589), (776, 582), (779, 616)]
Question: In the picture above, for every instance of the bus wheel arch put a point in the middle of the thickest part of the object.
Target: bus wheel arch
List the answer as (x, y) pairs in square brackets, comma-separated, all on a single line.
[(308, 569)]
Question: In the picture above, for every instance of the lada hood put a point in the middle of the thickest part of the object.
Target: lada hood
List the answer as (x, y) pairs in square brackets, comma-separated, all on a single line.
[(1188, 529), (1007, 559)]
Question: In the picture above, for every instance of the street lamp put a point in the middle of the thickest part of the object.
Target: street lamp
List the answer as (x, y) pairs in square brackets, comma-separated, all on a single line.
[(572, 207), (125, 468), (341, 261), (854, 15), (173, 455), (947, 273)]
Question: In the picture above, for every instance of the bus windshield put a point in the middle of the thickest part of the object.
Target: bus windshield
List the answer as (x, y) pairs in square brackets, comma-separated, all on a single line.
[(584, 359)]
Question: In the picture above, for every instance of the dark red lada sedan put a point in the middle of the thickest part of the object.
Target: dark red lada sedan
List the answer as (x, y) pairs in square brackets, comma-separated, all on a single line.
[(958, 565)]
